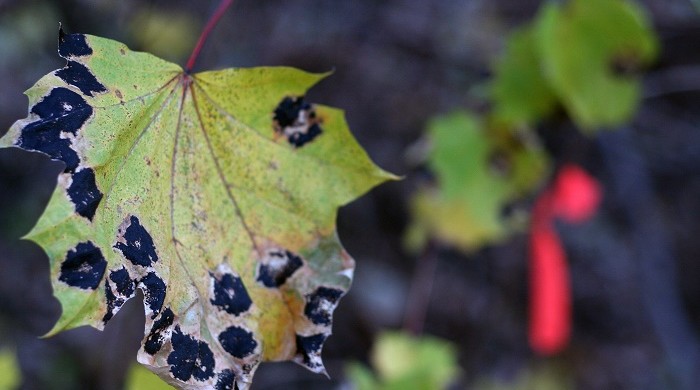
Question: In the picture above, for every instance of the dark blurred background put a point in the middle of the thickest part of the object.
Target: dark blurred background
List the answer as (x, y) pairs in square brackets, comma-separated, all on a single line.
[(397, 63)]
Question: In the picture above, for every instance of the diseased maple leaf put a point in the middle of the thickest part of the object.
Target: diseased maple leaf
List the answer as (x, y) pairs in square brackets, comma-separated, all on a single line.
[(214, 193)]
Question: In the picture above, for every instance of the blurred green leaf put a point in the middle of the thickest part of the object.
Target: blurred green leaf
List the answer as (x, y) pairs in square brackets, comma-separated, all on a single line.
[(456, 137), (9, 370), (139, 378), (587, 49), (519, 91), (167, 34), (362, 378), (406, 362), (480, 169)]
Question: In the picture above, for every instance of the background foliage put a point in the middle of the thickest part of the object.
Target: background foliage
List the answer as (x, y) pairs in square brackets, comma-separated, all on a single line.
[(397, 64)]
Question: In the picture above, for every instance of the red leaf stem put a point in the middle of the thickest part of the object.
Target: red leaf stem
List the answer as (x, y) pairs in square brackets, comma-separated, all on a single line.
[(220, 10)]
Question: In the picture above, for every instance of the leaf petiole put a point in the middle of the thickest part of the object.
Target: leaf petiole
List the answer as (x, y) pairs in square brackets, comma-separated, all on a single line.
[(220, 10)]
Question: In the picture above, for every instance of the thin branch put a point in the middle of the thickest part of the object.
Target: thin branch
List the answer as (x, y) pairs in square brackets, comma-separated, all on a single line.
[(418, 299)]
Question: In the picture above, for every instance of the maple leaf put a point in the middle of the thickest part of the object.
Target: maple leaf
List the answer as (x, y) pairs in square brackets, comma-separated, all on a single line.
[(213, 193), (590, 50)]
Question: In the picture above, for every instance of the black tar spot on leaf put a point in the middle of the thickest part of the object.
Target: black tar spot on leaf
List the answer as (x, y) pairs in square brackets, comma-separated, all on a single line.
[(66, 110), (238, 341), (61, 111), (124, 287), (84, 193), (281, 266), (190, 358), (154, 293), (230, 294), (297, 120), (72, 45), (83, 267), (78, 75), (287, 112), (309, 346), (154, 341), (139, 248), (121, 279), (226, 380), (112, 303), (37, 139), (300, 139), (319, 305)]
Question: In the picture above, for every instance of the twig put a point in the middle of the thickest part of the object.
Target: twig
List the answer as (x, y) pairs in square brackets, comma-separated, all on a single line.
[(418, 299)]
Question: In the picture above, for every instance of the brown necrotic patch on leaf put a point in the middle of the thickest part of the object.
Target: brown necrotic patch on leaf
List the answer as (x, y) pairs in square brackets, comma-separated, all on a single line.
[(297, 121), (277, 266), (83, 267)]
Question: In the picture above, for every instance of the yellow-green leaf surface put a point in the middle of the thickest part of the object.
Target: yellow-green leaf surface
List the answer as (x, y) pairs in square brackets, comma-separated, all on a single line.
[(214, 193), (586, 46), (480, 169)]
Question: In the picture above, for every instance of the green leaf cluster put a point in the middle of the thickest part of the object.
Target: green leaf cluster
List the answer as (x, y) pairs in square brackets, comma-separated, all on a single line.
[(582, 56), (407, 362), (480, 168)]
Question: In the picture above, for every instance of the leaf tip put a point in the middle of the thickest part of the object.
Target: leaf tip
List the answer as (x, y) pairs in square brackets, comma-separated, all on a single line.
[(388, 176), (57, 328)]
